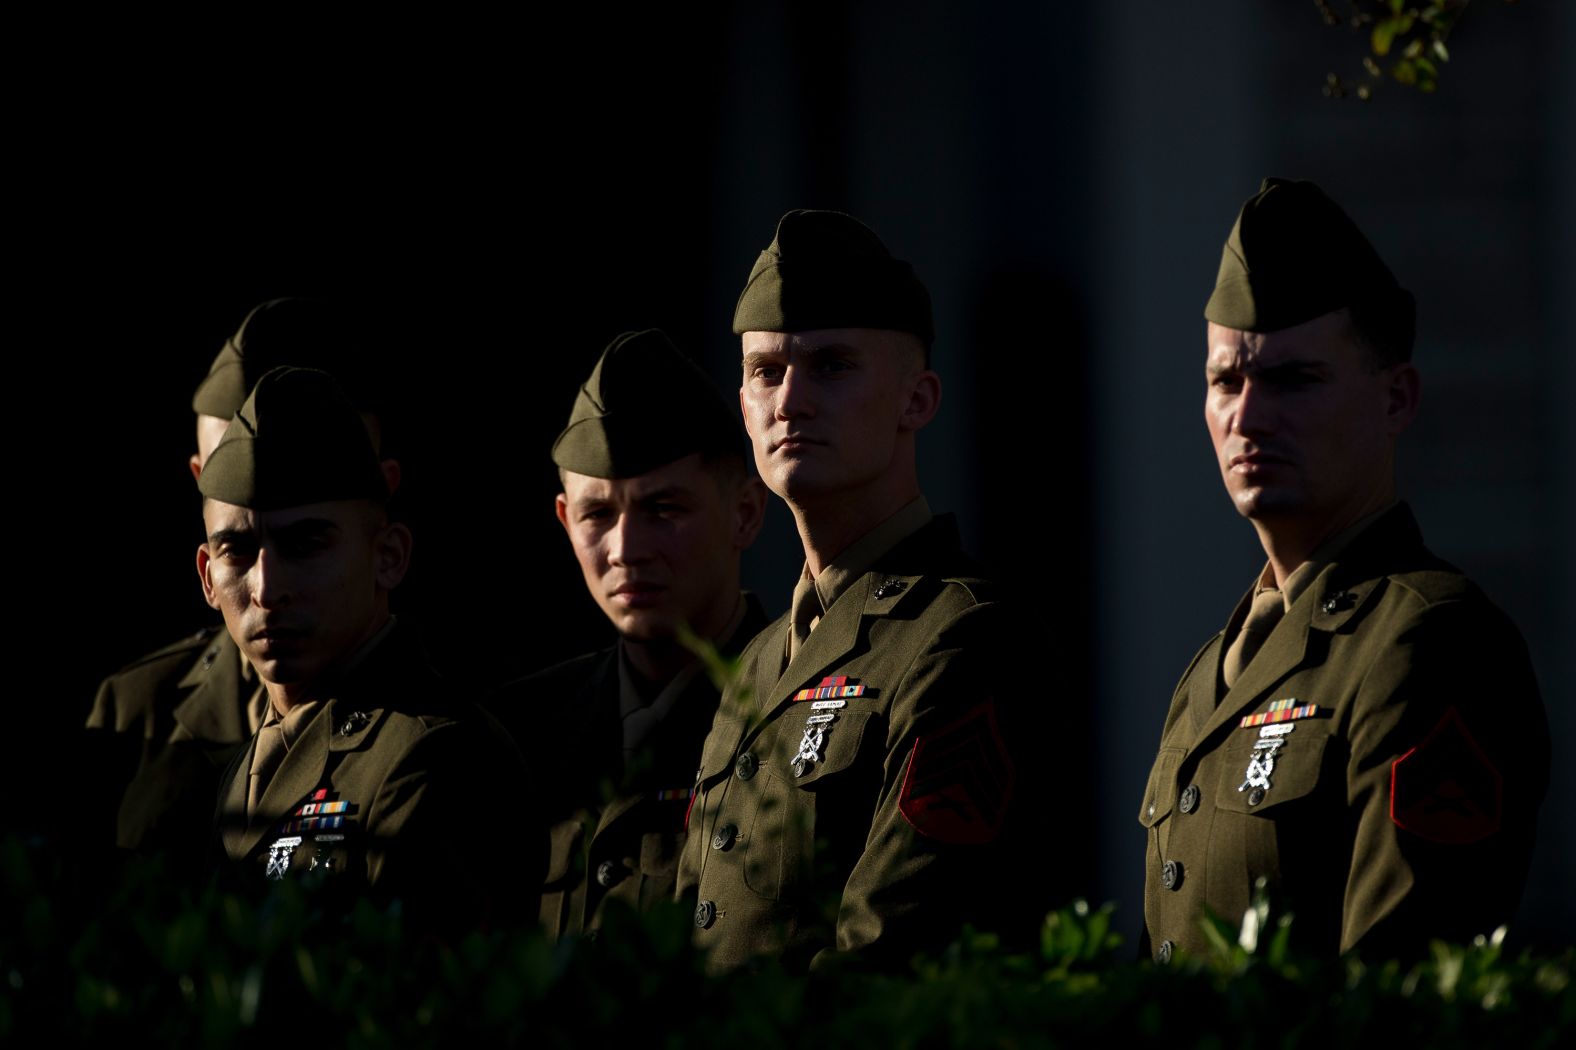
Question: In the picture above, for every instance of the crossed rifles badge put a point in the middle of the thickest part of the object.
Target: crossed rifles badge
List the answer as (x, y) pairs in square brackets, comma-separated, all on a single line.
[(1275, 723), (826, 700), (318, 815)]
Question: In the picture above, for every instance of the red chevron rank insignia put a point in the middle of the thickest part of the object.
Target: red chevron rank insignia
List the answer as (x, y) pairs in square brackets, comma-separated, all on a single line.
[(1446, 789), (959, 780)]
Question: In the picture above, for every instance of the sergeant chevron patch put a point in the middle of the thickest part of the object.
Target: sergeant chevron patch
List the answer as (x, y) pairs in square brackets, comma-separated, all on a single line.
[(959, 780), (1446, 789)]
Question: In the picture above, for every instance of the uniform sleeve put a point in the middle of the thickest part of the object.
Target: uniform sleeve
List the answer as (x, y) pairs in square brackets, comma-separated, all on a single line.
[(944, 828), (1448, 763)]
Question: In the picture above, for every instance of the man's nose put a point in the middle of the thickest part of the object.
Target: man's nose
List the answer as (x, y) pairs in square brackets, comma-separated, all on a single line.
[(627, 542), (1255, 410), (271, 586), (795, 398)]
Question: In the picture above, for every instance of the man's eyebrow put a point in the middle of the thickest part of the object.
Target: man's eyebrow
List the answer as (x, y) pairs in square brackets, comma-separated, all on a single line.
[(220, 537), (666, 492), (306, 527), (1251, 368), (756, 357), (829, 351), (1294, 365)]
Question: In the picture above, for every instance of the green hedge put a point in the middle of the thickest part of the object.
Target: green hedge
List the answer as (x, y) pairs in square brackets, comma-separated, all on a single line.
[(109, 953)]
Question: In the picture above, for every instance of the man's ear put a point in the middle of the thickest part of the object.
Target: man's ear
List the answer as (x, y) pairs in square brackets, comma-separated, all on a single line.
[(561, 508), (1403, 395), (195, 463), (393, 546), (204, 559), (749, 512), (924, 401), (391, 474)]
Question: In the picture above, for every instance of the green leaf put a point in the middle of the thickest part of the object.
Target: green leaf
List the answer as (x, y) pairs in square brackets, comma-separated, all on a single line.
[(1441, 52), (1383, 36)]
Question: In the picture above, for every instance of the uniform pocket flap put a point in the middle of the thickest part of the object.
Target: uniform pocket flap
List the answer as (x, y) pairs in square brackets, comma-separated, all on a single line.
[(1257, 779), (839, 746), (1160, 794)]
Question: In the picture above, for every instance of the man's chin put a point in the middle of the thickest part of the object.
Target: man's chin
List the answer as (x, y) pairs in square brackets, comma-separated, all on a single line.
[(285, 671), (1267, 504), (646, 628)]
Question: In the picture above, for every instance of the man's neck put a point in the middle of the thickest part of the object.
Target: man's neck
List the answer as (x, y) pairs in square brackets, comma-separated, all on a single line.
[(828, 528), (660, 660), (285, 695), (1290, 542)]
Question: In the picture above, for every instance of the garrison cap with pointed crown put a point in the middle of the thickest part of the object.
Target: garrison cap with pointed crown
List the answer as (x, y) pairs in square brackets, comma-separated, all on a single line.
[(306, 333), (1294, 255), (645, 405), (825, 269), (298, 439)]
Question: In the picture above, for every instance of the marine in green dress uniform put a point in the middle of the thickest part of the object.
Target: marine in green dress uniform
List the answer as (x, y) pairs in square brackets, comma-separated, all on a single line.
[(366, 772), (856, 794), (659, 502), (171, 720), (1366, 734)]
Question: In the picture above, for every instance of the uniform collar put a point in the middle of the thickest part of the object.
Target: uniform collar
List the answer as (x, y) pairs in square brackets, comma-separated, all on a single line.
[(864, 552), (1340, 590), (1329, 551)]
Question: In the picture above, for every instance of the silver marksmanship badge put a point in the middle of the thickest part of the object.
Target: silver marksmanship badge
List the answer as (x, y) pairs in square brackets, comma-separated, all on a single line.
[(279, 855), (323, 856), (1262, 762), (810, 746)]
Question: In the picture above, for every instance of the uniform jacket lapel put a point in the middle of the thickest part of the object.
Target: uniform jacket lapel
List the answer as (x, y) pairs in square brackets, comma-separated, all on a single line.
[(213, 710), (1339, 593), (1282, 653), (299, 773), (232, 807), (841, 631)]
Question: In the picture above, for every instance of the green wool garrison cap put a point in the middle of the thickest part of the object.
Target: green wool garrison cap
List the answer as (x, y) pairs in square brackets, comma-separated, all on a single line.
[(645, 405), (298, 439), (306, 333), (825, 269), (1294, 255)]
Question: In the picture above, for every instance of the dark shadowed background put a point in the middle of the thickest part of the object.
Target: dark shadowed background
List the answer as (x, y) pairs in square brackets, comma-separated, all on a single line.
[(506, 198)]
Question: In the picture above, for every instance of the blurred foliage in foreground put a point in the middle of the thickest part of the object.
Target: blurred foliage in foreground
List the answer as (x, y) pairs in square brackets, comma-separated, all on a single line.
[(1405, 41), (117, 952)]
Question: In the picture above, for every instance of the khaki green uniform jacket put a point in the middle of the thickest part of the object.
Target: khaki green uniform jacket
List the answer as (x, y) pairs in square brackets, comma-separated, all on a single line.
[(174, 719), (1403, 809), (569, 715), (869, 851), (393, 786)]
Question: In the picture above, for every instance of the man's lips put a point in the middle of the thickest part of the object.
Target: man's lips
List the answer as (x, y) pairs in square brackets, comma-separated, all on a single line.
[(638, 595), (795, 443), (278, 634), (1249, 463)]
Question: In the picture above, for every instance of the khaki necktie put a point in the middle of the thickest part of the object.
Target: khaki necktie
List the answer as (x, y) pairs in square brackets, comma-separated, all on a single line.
[(266, 757), (273, 743), (1267, 610), (806, 613)]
